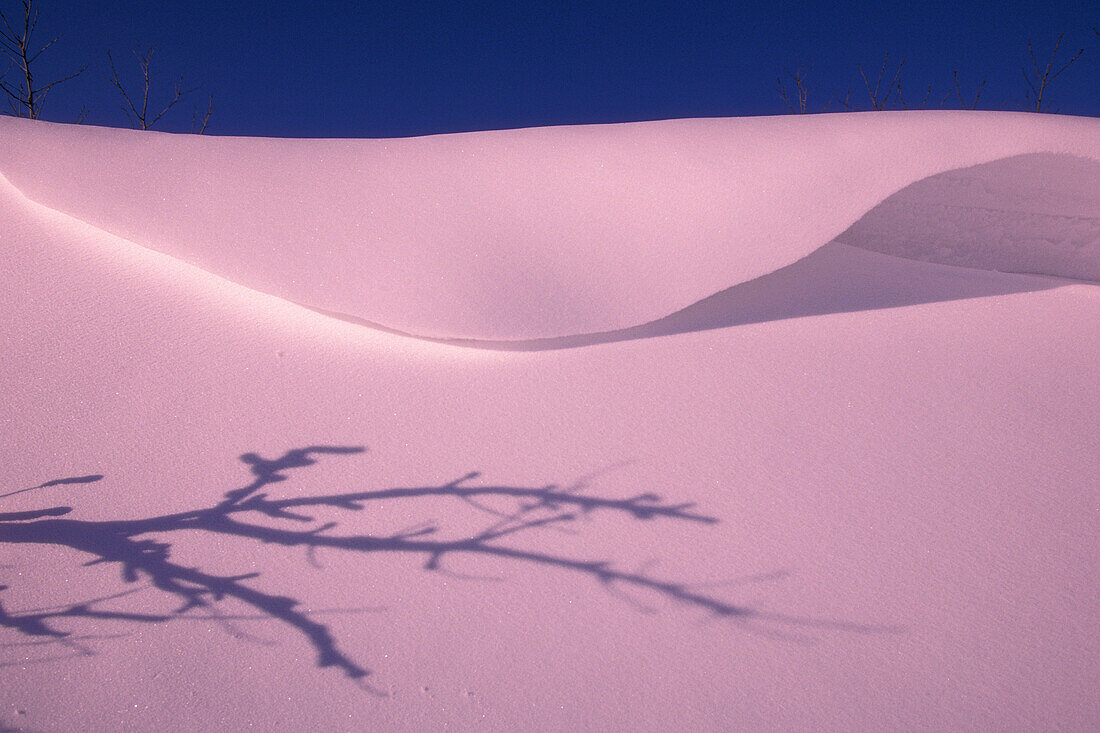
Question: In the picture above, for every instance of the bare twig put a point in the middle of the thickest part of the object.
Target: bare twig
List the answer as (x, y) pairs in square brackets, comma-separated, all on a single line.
[(880, 97), (923, 102), (847, 103), (198, 126), (139, 114), (958, 93), (25, 99), (801, 91), (1040, 78)]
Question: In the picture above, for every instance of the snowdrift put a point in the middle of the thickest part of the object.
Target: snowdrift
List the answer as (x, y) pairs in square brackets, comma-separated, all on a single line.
[(527, 234), (769, 424)]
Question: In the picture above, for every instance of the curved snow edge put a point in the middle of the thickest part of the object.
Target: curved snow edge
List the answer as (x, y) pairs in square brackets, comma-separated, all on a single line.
[(558, 234)]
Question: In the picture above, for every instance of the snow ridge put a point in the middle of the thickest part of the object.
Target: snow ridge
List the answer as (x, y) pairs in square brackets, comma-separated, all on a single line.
[(526, 235)]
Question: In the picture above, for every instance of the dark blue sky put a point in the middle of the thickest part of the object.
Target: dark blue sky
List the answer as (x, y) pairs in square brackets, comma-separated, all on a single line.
[(371, 69)]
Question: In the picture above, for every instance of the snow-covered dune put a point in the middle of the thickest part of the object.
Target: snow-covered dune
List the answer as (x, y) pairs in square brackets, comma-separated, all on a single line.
[(526, 234), (769, 424)]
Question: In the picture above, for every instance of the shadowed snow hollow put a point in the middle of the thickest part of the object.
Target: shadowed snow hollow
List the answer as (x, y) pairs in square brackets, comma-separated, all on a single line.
[(1035, 213)]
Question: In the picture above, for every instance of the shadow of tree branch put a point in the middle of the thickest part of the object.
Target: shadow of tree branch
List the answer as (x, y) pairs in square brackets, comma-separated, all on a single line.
[(122, 543)]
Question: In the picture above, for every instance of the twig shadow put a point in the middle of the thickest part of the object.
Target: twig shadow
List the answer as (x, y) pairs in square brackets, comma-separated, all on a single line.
[(197, 592)]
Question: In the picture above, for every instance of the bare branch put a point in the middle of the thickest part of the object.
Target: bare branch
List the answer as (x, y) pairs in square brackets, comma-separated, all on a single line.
[(128, 108), (8, 31), (12, 91), (927, 94), (958, 93), (1040, 79), (43, 89), (923, 102), (200, 127), (26, 99), (801, 91), (1067, 64), (846, 103), (142, 118), (783, 93), (880, 98), (40, 51), (895, 84), (178, 94)]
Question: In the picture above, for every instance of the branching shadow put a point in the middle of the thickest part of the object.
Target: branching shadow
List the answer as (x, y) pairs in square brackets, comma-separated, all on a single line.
[(139, 557)]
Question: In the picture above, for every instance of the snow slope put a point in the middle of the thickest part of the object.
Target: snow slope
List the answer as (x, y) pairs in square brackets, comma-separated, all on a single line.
[(513, 234), (717, 450), (1030, 213)]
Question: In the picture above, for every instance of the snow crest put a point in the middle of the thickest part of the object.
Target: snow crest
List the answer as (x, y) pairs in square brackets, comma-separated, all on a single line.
[(561, 232)]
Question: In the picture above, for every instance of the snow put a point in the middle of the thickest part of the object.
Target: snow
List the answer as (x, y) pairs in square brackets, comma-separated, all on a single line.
[(1031, 213), (877, 467)]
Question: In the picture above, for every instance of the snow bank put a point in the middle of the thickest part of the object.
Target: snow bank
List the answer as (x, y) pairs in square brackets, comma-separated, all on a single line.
[(517, 234), (839, 490)]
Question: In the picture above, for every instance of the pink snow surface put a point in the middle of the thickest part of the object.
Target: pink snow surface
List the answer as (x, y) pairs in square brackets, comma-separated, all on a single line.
[(750, 424)]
